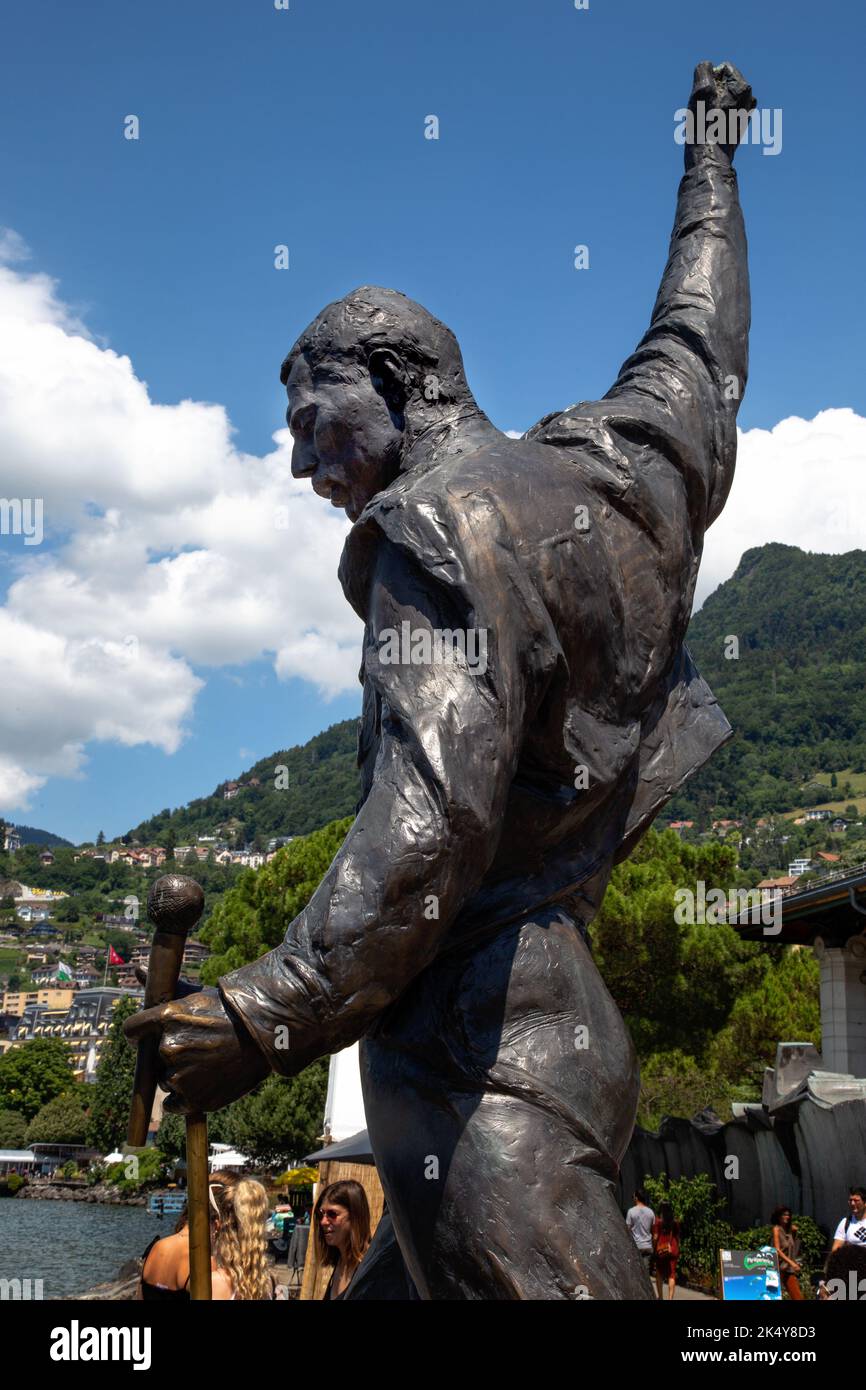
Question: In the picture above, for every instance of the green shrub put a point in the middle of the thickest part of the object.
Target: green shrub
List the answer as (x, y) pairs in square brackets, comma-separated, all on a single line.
[(11, 1185), (141, 1168)]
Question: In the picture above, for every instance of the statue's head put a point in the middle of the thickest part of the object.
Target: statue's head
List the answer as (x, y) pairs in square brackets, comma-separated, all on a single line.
[(369, 375)]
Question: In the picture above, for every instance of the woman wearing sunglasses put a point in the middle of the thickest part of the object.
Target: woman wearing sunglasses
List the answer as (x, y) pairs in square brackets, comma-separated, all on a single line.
[(341, 1222)]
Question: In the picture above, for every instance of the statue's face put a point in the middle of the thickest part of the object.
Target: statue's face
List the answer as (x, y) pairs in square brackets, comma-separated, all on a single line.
[(346, 442)]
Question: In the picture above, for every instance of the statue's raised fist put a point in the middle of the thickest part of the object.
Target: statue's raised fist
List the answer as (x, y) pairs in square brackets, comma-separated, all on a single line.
[(719, 108)]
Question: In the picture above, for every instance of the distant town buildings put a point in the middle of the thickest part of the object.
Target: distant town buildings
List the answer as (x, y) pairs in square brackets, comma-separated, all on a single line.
[(681, 826), (155, 856), (82, 1023), (16, 1001), (799, 866), (774, 887)]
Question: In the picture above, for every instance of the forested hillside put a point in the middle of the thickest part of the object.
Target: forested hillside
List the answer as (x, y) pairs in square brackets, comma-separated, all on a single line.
[(319, 784), (795, 693)]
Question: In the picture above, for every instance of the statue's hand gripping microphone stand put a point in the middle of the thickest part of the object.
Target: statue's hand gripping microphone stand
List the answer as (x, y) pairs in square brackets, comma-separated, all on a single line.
[(174, 906)]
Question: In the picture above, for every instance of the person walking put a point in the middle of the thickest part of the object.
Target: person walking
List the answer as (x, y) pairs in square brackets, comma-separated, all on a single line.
[(786, 1243), (639, 1219), (666, 1249)]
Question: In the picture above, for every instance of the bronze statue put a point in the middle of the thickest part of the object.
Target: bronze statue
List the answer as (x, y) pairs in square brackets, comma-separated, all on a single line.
[(529, 706)]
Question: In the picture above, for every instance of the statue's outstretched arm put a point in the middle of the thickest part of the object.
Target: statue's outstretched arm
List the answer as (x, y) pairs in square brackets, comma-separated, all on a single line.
[(420, 845), (691, 364)]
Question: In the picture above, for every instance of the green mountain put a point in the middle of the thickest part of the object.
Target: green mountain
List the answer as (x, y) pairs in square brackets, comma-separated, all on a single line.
[(793, 687), (29, 835), (292, 792)]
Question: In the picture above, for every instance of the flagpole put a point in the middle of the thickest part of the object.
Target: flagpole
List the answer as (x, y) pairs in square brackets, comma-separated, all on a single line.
[(105, 972)]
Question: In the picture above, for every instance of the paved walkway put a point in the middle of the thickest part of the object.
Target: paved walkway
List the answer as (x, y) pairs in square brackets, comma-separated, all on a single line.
[(692, 1294)]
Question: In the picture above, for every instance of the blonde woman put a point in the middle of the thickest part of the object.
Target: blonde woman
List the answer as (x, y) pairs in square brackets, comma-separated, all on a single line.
[(239, 1208), (238, 1211)]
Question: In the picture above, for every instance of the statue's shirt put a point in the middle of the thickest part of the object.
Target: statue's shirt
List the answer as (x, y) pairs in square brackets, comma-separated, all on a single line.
[(548, 563)]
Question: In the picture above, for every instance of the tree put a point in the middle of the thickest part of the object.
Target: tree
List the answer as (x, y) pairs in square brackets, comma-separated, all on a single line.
[(112, 1090), (100, 839), (282, 1119), (783, 1005), (33, 1073), (705, 1009), (67, 910), (171, 1135), (673, 1083), (61, 1121), (254, 916), (675, 983), (13, 1129)]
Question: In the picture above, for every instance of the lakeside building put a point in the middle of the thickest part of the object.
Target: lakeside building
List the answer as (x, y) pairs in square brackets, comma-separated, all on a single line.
[(23, 1161), (42, 1160), (83, 1025), (16, 1001)]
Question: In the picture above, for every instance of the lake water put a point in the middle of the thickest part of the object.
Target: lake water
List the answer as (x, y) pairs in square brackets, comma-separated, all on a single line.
[(72, 1245)]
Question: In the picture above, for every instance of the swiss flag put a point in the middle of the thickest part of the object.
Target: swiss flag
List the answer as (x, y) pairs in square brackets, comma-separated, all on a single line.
[(114, 958)]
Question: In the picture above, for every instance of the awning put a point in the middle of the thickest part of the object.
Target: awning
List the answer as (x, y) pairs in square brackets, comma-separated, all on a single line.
[(355, 1149)]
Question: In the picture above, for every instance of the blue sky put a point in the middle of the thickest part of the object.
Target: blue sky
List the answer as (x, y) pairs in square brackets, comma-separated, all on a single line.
[(306, 128)]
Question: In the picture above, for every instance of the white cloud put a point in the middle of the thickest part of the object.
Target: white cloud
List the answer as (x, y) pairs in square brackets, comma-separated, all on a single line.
[(13, 247), (172, 549), (802, 482)]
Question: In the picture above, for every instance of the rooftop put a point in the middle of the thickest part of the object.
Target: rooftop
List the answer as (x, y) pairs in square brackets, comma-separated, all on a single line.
[(823, 907)]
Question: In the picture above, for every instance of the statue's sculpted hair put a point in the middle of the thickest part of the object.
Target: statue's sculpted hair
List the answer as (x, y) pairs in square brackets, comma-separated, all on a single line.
[(348, 330)]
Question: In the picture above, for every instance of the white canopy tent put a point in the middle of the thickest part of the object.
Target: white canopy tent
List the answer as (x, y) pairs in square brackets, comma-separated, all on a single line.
[(224, 1156), (344, 1104)]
